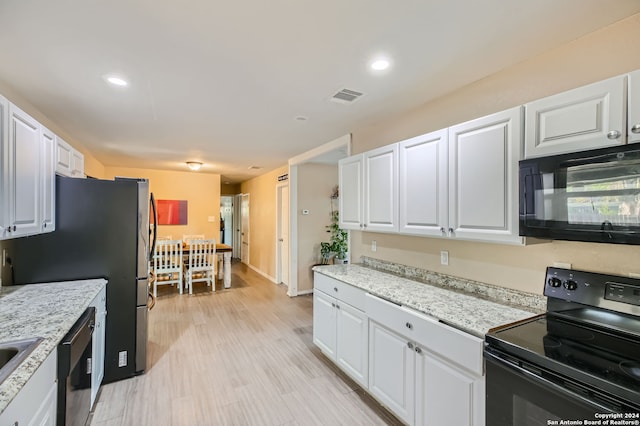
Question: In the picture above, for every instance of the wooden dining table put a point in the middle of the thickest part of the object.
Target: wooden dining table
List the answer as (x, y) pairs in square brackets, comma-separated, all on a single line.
[(223, 252)]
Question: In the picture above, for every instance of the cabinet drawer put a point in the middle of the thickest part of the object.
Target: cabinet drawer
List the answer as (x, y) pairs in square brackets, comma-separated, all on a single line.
[(450, 343), (340, 290)]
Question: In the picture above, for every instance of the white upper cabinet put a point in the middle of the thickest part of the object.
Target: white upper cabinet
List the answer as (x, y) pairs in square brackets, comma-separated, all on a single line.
[(350, 175), (27, 189), (381, 189), (588, 117), (483, 177), (633, 122), (423, 184), (48, 180), (369, 190), (24, 173), (69, 161)]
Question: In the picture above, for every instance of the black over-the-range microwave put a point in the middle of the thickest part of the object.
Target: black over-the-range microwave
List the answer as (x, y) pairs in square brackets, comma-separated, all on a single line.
[(583, 196)]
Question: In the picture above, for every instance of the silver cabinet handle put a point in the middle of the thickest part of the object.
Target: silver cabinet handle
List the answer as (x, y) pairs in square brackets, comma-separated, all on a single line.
[(450, 231), (337, 306), (365, 225), (410, 345), (635, 128), (409, 325), (44, 224), (333, 305), (613, 134), (442, 230), (418, 350)]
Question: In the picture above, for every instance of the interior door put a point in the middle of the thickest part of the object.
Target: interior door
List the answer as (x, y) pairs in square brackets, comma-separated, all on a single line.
[(244, 228), (283, 233)]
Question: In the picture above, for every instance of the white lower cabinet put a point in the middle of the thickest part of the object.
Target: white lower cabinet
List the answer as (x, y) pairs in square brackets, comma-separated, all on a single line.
[(391, 371), (36, 404), (425, 372), (98, 343), (340, 330)]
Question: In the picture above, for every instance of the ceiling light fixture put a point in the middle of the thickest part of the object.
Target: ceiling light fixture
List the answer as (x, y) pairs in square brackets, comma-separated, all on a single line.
[(116, 81), (194, 165), (380, 64)]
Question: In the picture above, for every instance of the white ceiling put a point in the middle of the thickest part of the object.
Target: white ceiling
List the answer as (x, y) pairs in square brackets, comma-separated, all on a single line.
[(223, 82)]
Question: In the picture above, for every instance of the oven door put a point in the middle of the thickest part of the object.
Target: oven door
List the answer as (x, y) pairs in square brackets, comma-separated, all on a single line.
[(518, 396)]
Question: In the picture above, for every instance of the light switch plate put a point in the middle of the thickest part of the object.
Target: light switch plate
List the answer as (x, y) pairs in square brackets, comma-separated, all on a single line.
[(562, 265), (211, 219), (444, 257), (374, 245)]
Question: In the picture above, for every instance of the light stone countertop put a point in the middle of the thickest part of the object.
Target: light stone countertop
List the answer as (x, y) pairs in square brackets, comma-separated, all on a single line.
[(462, 310), (40, 310)]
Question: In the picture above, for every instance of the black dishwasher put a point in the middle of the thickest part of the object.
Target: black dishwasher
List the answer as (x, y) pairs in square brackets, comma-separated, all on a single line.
[(74, 372)]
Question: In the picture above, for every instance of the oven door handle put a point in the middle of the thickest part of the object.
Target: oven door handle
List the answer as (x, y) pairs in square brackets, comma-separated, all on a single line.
[(554, 387)]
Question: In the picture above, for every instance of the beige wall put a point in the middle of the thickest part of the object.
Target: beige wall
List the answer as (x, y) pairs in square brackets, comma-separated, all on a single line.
[(602, 54), (229, 189), (262, 220), (315, 183), (201, 190)]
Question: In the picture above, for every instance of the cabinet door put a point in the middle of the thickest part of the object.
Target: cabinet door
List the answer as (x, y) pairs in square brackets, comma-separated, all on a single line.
[(48, 181), (63, 157), (4, 169), (634, 107), (324, 323), (24, 173), (423, 184), (391, 371), (446, 395), (381, 189), (483, 178), (46, 413), (98, 344), (352, 342), (350, 175), (77, 164), (588, 117)]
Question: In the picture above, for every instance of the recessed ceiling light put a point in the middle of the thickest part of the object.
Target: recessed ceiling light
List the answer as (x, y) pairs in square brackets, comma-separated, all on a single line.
[(380, 64), (301, 118), (116, 81)]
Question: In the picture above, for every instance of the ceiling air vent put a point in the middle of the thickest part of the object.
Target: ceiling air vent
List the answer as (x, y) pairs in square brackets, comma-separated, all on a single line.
[(346, 96)]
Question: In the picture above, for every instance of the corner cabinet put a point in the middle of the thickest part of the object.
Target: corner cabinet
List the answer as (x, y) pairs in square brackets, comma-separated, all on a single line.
[(69, 161), (340, 326), (588, 117), (369, 190), (633, 99), (36, 403), (483, 178)]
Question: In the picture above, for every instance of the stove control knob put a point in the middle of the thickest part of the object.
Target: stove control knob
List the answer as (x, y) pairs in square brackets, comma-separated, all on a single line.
[(570, 285), (554, 282)]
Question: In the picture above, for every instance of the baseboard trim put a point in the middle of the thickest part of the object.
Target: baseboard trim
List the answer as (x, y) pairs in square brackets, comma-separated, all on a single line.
[(258, 271)]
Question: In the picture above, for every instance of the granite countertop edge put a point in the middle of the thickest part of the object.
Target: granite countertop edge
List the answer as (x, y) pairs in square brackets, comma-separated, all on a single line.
[(475, 312), (47, 311)]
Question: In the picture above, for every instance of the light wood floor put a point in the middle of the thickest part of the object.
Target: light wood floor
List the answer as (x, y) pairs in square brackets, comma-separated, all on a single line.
[(240, 356)]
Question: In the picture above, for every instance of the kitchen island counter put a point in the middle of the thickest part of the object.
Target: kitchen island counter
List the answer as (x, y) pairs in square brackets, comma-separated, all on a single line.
[(47, 311), (473, 311)]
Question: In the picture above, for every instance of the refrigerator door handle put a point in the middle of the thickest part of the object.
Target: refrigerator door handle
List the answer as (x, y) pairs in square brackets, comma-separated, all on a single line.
[(155, 227)]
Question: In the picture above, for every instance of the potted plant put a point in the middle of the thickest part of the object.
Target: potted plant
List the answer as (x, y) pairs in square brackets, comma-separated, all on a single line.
[(337, 246)]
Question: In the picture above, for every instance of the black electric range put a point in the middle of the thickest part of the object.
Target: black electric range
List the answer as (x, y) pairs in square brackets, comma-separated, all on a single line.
[(580, 361)]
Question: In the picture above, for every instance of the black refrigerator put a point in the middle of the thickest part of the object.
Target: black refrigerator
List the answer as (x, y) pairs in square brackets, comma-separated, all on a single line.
[(102, 231)]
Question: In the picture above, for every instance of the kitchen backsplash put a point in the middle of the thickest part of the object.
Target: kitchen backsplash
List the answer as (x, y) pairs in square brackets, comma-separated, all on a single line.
[(516, 298)]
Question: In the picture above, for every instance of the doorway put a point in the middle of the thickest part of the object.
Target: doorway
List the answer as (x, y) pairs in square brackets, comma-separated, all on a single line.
[(226, 220), (282, 234), (244, 228)]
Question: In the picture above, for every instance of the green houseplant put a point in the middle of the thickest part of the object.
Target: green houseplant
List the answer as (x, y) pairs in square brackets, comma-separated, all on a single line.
[(337, 246)]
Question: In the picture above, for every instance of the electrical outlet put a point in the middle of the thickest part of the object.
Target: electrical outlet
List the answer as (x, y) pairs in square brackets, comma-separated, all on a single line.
[(444, 257), (122, 359), (562, 265), (374, 245), (634, 275), (211, 218)]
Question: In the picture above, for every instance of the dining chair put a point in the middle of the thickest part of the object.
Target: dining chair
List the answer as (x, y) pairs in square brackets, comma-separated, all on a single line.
[(201, 263), (167, 264)]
